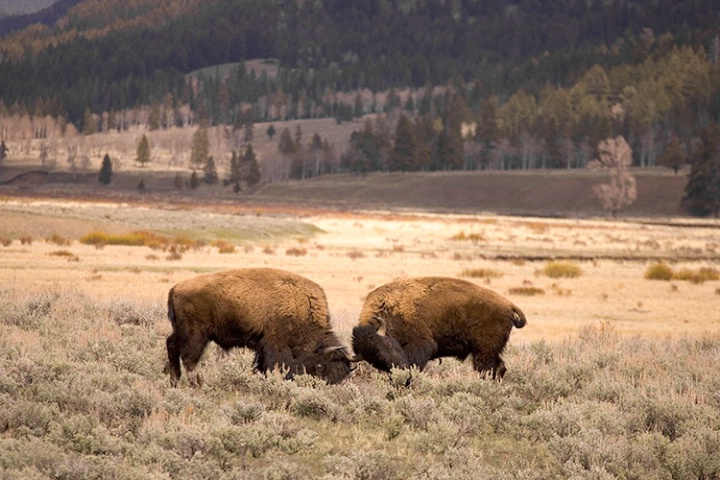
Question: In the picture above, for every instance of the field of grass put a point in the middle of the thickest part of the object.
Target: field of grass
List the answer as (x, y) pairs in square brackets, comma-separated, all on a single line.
[(615, 375)]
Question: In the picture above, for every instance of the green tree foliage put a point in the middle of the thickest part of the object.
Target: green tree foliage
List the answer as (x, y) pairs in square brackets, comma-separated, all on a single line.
[(286, 145), (210, 176), (368, 150), (3, 152), (235, 173), (249, 167), (270, 132), (674, 156), (702, 193), (89, 123), (106, 172), (200, 149), (194, 181), (403, 156), (143, 155)]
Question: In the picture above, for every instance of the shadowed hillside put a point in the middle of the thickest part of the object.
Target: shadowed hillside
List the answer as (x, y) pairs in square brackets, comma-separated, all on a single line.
[(537, 193)]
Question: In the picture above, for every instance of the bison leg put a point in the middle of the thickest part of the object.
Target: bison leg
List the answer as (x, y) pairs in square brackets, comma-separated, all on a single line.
[(270, 357), (495, 366), (173, 365), (421, 352), (191, 354)]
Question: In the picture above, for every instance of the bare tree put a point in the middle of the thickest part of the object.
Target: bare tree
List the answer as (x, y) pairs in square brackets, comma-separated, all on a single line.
[(615, 156)]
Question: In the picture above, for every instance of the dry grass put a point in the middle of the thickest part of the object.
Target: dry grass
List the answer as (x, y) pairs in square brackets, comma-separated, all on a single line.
[(592, 389), (84, 396)]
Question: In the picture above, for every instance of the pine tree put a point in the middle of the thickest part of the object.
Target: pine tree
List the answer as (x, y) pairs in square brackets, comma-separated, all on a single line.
[(200, 148), (287, 145), (105, 176), (143, 151), (235, 174), (194, 180), (402, 155), (250, 167), (211, 175), (3, 152), (271, 131), (702, 192)]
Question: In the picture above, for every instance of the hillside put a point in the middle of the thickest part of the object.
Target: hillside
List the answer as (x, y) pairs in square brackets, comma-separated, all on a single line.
[(538, 193)]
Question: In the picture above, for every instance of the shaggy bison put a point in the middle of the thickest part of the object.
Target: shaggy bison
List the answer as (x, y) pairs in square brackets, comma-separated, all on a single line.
[(282, 316), (434, 317)]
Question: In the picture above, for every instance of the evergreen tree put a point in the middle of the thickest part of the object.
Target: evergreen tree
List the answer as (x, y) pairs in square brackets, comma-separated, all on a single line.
[(3, 152), (235, 174), (250, 167), (270, 131), (105, 176), (702, 192), (211, 175), (287, 145), (194, 181), (200, 148), (402, 156), (143, 151)]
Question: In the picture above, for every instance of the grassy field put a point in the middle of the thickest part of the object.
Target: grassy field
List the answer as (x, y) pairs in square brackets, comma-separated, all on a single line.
[(615, 375)]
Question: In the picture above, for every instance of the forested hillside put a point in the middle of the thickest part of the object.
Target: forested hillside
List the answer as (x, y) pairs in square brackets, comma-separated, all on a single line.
[(454, 84)]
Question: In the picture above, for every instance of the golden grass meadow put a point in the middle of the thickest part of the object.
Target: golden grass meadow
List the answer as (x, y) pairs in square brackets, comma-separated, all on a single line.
[(615, 375)]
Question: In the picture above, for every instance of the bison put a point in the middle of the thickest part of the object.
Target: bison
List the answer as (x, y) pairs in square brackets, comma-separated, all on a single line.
[(433, 317), (280, 315)]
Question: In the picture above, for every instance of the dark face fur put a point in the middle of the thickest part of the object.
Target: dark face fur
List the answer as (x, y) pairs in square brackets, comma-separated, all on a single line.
[(332, 366)]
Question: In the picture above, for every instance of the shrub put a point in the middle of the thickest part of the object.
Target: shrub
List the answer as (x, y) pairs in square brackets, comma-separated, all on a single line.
[(556, 269), (296, 251), (659, 271), (6, 242), (224, 246), (355, 254), (480, 273), (662, 271), (696, 276), (57, 240), (473, 237), (528, 291)]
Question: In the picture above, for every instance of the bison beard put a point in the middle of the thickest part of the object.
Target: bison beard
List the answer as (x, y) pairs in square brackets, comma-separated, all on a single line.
[(282, 316), (435, 317)]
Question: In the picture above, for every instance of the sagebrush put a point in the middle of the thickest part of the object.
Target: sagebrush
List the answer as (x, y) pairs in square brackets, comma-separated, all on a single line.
[(84, 396)]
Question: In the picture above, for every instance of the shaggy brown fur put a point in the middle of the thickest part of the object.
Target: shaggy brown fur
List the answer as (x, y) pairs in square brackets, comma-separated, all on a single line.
[(433, 317), (282, 316)]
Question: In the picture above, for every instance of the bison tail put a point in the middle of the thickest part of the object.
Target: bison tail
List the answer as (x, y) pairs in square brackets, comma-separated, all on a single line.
[(171, 309), (518, 318)]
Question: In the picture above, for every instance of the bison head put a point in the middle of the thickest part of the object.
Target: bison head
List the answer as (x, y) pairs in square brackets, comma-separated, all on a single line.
[(332, 364), (381, 351)]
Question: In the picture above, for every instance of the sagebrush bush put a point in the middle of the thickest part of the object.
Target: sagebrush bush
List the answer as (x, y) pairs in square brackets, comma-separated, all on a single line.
[(84, 395), (659, 271), (558, 269), (480, 273)]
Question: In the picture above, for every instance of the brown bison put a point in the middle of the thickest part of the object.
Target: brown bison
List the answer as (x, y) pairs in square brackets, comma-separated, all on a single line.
[(434, 317), (282, 316)]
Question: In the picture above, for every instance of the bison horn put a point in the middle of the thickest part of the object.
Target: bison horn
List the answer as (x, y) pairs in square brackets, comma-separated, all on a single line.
[(333, 349), (355, 358), (382, 326)]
